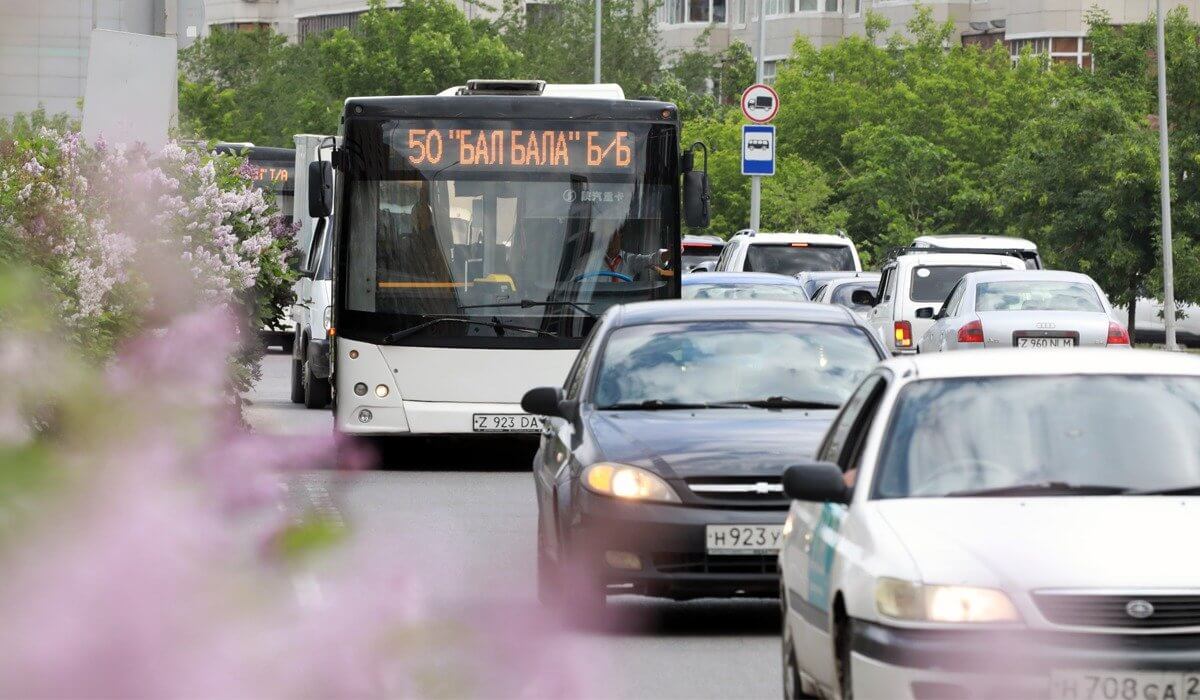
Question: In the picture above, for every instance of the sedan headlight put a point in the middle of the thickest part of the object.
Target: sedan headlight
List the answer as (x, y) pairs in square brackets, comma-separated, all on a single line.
[(904, 600), (631, 483)]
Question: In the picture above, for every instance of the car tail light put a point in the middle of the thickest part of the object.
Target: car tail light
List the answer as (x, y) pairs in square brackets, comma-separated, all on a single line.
[(903, 334), (971, 332), (1117, 335)]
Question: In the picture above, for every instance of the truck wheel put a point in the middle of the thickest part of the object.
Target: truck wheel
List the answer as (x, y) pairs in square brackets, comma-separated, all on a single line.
[(297, 381), (316, 390)]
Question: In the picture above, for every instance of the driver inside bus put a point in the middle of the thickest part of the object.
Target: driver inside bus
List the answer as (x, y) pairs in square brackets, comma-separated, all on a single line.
[(635, 266)]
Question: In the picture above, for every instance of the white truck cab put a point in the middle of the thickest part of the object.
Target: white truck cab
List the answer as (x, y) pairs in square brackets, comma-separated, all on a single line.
[(312, 312), (788, 253), (912, 288), (1026, 250)]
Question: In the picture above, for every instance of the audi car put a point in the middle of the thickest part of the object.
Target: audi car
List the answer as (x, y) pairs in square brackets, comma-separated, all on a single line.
[(1004, 528), (1032, 309), (660, 462)]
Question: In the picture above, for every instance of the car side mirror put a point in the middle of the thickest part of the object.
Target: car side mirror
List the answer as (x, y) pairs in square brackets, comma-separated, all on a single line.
[(549, 401), (695, 188), (818, 482), (925, 312), (320, 189), (862, 297)]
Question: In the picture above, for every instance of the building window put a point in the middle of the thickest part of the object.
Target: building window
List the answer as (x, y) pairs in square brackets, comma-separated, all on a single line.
[(700, 11), (787, 7), (313, 26), (770, 70), (1075, 50)]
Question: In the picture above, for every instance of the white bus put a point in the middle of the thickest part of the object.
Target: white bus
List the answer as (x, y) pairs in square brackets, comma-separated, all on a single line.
[(479, 234)]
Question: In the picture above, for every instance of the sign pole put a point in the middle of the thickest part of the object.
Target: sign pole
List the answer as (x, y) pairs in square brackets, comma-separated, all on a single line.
[(755, 180), (1165, 187), (596, 46)]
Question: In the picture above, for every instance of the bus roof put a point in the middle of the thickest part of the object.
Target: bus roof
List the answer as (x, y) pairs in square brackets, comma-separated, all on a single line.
[(527, 99)]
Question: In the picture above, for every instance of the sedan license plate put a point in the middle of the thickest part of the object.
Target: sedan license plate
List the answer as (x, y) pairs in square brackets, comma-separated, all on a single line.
[(743, 539), (1121, 685), (504, 423), (1045, 342)]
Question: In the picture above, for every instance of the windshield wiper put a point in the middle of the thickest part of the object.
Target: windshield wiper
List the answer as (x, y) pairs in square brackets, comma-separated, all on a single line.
[(1044, 488), (652, 405), (494, 324), (530, 304), (781, 402), (1193, 490)]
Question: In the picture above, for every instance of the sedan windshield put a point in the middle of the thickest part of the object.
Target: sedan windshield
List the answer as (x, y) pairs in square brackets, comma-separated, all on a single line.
[(772, 292), (1014, 435), (790, 258), (1030, 295), (776, 364)]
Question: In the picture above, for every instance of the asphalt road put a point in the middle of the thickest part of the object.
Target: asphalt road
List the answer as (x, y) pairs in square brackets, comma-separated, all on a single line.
[(465, 516)]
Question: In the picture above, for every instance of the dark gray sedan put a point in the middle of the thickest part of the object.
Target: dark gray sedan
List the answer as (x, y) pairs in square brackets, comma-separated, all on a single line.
[(660, 463)]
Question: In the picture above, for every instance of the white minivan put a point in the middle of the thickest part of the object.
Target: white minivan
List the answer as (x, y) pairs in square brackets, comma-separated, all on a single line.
[(788, 253), (912, 287)]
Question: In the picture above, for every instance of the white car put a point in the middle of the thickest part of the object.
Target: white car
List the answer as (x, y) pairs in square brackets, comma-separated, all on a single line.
[(1150, 328), (1000, 529), (956, 243), (788, 253), (912, 289), (1024, 309)]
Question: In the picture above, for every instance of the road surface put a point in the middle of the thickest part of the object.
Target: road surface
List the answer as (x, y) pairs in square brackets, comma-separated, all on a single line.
[(467, 518)]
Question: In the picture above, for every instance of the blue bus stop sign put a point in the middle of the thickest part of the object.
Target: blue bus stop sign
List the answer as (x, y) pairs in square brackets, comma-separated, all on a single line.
[(758, 149)]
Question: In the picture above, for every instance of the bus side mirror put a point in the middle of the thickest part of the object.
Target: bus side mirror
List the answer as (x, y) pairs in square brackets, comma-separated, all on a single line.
[(320, 189), (695, 189)]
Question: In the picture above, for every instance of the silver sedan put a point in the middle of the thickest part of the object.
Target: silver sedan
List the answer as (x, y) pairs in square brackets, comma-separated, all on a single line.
[(1024, 309)]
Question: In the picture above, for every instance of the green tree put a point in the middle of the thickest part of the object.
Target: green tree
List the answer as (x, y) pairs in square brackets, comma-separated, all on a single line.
[(556, 41), (253, 86), (418, 48)]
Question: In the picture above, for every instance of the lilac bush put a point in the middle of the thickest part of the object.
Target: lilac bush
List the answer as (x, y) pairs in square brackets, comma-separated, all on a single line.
[(84, 213)]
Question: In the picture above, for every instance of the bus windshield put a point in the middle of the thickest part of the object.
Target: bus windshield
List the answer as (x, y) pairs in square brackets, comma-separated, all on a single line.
[(520, 235)]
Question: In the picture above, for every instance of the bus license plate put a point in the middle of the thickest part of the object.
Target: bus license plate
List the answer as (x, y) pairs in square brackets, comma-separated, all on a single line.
[(1119, 685), (504, 423), (743, 539)]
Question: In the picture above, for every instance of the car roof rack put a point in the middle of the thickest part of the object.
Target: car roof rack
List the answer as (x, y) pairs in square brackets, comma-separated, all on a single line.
[(897, 251)]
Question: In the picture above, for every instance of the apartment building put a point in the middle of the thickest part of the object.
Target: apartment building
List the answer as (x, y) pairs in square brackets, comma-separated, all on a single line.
[(300, 19), (1053, 27), (44, 44)]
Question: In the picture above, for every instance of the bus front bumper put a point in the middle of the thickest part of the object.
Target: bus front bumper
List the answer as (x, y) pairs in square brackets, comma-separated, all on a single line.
[(362, 416)]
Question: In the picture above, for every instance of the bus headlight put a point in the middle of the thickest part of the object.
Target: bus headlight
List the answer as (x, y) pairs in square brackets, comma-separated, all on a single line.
[(328, 320), (904, 600), (360, 389), (626, 482), (381, 391)]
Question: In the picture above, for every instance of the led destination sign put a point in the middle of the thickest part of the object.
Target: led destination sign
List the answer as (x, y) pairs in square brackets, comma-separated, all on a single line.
[(576, 150)]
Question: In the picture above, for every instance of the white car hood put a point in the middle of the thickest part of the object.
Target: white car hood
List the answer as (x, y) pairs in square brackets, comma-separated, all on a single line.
[(1055, 542)]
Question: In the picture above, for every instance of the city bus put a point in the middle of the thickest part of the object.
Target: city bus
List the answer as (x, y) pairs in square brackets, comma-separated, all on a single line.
[(480, 233)]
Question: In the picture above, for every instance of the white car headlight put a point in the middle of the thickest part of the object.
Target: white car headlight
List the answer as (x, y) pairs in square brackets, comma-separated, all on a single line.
[(631, 483), (904, 600)]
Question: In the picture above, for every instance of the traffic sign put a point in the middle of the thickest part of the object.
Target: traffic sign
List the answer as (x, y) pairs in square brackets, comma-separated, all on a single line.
[(758, 149), (760, 103)]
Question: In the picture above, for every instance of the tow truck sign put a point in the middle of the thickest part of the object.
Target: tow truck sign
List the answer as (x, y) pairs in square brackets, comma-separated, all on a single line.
[(760, 103)]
